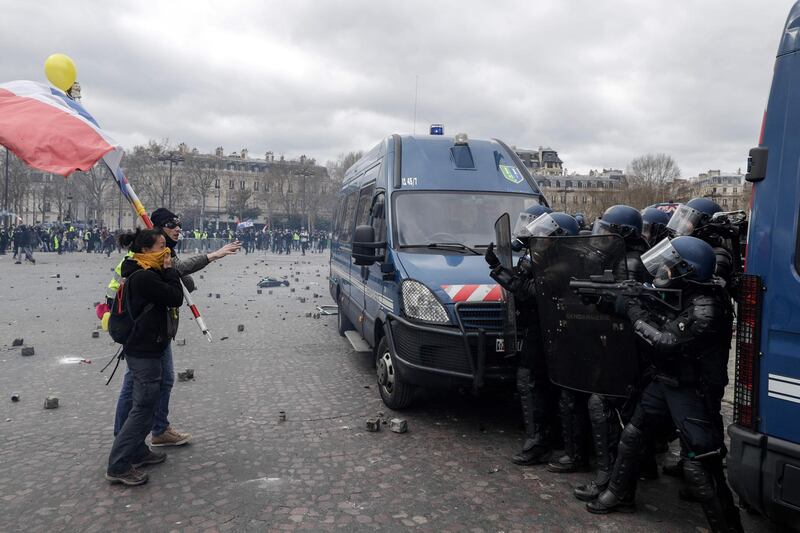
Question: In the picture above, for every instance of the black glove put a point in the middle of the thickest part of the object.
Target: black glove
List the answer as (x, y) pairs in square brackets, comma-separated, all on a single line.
[(491, 257), (189, 283)]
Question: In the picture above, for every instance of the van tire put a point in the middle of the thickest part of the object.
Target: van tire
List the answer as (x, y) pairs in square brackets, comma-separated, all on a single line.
[(395, 392), (343, 323)]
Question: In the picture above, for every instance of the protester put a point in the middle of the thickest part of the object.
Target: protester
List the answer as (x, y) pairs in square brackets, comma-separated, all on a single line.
[(163, 434), (150, 280)]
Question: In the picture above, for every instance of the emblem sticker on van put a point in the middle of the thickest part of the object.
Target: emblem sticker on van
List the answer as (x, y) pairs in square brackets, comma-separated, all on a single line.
[(409, 182), (512, 174)]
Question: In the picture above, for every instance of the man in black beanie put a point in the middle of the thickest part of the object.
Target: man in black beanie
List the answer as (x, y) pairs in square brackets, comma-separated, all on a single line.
[(163, 434)]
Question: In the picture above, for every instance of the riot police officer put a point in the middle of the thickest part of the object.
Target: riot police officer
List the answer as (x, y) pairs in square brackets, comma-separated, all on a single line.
[(604, 413), (689, 355), (654, 224), (533, 383), (696, 218)]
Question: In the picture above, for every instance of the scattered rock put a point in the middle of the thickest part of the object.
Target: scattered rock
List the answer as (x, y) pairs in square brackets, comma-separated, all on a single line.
[(398, 425), (182, 376), (95, 334), (259, 291), (59, 288), (223, 338), (189, 373), (17, 342), (373, 424), (281, 416), (51, 402), (15, 397), (27, 351), (181, 342), (240, 328), (217, 295), (292, 289)]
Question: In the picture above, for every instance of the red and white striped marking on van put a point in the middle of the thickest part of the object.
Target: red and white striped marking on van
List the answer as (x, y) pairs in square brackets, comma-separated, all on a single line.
[(474, 293)]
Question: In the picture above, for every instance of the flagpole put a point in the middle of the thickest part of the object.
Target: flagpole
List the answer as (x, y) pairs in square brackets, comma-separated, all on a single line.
[(127, 191)]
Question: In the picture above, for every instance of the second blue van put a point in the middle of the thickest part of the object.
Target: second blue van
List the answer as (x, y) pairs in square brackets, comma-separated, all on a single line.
[(413, 219)]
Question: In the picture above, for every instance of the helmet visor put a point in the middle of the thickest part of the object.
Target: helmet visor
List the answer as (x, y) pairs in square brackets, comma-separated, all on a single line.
[(663, 256), (601, 227), (521, 227), (542, 226), (685, 220)]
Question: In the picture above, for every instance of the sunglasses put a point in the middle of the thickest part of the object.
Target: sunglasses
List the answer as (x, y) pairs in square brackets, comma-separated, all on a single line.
[(172, 225)]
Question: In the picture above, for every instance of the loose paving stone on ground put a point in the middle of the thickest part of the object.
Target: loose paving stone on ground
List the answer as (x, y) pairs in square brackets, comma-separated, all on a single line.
[(277, 413)]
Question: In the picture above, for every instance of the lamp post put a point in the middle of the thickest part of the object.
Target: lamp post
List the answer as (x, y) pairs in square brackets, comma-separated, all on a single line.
[(172, 157), (219, 193)]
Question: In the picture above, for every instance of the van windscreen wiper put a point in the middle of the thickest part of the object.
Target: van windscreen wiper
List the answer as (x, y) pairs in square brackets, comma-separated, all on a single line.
[(453, 246)]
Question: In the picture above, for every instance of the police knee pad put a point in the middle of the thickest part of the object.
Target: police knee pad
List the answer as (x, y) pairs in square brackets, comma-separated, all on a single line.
[(599, 408), (699, 479), (632, 437)]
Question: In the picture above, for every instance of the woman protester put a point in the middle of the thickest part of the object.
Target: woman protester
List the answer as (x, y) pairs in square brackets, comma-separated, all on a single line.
[(153, 291)]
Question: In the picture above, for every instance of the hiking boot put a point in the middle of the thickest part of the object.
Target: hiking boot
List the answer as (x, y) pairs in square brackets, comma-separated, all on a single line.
[(170, 437), (130, 478), (152, 458), (567, 464)]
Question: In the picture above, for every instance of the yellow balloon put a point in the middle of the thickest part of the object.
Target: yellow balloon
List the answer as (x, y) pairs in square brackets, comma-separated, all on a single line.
[(61, 71), (104, 322)]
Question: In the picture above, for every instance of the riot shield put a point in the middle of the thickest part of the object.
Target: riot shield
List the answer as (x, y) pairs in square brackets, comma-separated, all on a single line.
[(587, 349), (502, 235)]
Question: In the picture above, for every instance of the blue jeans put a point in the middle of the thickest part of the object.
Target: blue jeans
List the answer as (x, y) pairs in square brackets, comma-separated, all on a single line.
[(129, 446), (125, 401)]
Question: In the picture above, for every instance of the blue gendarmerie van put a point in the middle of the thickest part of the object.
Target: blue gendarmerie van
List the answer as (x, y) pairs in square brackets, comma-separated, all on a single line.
[(764, 459), (413, 219)]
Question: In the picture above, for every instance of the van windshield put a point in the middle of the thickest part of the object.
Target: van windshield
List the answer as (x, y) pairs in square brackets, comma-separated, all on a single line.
[(423, 218)]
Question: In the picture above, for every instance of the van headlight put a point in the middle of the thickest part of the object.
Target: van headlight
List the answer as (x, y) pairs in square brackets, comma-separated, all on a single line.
[(420, 303)]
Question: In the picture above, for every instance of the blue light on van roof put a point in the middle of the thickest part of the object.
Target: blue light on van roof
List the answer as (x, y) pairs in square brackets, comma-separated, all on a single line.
[(437, 129)]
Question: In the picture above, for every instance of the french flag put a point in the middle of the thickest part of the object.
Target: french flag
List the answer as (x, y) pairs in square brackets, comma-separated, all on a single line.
[(50, 131)]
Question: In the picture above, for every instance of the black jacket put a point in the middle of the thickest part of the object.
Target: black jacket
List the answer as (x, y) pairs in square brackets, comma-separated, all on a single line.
[(163, 289)]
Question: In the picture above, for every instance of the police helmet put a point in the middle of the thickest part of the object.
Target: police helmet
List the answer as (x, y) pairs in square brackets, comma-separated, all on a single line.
[(654, 223), (528, 216), (622, 220), (682, 258), (580, 218), (693, 214), (553, 224)]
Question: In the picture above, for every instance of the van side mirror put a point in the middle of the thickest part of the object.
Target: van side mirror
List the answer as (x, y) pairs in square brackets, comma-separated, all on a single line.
[(364, 245), (757, 164)]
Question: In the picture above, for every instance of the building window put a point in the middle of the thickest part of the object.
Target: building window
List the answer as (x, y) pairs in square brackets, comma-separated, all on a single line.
[(241, 185), (289, 188), (255, 185), (558, 183), (735, 190), (230, 184), (724, 190), (216, 183)]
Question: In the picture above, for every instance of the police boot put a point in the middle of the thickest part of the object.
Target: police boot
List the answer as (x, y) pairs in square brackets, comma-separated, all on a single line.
[(619, 497), (707, 483), (535, 450), (572, 428), (605, 432)]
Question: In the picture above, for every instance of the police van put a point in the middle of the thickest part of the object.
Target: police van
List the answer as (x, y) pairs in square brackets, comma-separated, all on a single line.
[(413, 219), (764, 459)]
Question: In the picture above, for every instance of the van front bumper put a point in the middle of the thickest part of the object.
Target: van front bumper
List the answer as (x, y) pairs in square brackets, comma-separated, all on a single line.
[(441, 355), (765, 472)]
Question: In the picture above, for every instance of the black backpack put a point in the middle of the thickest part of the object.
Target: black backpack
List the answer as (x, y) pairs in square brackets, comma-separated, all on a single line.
[(121, 323)]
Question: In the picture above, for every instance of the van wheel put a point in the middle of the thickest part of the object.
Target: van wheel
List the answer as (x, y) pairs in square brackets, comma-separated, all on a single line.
[(395, 393), (343, 322)]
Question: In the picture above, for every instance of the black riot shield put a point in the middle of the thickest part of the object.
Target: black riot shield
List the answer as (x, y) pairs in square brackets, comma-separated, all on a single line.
[(588, 348), (502, 235)]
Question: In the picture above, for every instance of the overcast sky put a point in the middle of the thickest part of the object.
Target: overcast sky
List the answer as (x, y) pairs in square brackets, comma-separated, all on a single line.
[(600, 81)]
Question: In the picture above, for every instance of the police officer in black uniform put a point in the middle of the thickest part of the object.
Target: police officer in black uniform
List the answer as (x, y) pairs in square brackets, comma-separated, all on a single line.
[(604, 412), (536, 392), (654, 224), (689, 355), (696, 218)]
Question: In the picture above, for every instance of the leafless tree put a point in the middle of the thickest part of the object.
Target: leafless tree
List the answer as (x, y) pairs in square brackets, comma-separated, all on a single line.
[(650, 177), (92, 187), (147, 174), (338, 168), (201, 178)]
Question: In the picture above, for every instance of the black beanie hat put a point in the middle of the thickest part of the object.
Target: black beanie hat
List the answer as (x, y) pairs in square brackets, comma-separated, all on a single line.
[(162, 216)]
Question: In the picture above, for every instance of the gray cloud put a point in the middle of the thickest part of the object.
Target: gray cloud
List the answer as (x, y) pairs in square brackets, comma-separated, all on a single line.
[(602, 82)]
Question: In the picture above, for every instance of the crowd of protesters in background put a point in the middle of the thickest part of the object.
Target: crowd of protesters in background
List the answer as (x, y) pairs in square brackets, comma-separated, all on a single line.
[(23, 240)]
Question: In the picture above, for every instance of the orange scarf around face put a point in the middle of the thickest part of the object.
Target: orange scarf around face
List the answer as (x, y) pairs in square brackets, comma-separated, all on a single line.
[(151, 259)]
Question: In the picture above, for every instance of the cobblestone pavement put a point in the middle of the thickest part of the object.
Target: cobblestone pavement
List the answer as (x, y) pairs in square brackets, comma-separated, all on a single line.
[(245, 470)]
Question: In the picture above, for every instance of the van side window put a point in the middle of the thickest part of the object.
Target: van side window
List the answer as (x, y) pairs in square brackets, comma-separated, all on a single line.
[(349, 212), (379, 217), (364, 204)]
